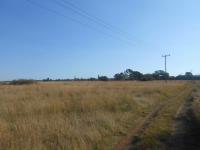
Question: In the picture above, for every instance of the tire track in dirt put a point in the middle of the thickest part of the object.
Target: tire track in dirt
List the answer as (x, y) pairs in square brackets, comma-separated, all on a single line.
[(131, 139), (186, 130)]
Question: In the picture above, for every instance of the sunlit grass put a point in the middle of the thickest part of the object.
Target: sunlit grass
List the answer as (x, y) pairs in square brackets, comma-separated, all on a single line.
[(75, 115), (158, 133), (196, 104)]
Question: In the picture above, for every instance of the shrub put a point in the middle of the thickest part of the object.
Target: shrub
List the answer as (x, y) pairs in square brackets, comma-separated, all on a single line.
[(22, 82), (103, 78)]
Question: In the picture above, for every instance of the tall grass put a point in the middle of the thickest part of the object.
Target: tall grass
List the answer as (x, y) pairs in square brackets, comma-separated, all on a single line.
[(160, 130), (196, 104), (75, 115)]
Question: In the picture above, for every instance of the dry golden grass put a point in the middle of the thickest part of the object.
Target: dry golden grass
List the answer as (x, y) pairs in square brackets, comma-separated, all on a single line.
[(75, 115), (196, 95), (159, 132)]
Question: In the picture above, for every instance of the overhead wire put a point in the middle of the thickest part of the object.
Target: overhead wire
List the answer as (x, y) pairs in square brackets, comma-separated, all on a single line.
[(114, 29), (69, 5), (44, 7)]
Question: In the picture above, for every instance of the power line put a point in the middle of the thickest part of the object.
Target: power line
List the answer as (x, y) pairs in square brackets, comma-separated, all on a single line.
[(114, 29), (74, 20), (97, 20), (70, 6), (54, 11)]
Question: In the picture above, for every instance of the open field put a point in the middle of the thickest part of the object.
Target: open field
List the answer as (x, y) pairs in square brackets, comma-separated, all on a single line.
[(89, 115)]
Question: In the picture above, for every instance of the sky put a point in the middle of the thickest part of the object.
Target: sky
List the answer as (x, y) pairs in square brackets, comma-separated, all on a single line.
[(40, 39)]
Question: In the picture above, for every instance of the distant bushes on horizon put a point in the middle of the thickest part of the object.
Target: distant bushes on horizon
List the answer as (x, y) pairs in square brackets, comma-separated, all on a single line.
[(23, 82), (130, 75), (127, 75)]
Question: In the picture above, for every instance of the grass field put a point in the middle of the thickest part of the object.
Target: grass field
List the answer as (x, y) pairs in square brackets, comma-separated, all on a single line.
[(79, 115)]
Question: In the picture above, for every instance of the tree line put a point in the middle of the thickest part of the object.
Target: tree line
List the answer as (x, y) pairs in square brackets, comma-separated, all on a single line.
[(127, 75), (130, 74), (157, 75)]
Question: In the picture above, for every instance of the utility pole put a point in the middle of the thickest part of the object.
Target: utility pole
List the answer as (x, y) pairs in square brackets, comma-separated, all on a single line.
[(165, 56)]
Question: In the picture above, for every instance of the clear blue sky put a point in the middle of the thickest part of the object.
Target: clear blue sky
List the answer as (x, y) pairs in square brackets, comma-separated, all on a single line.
[(36, 43)]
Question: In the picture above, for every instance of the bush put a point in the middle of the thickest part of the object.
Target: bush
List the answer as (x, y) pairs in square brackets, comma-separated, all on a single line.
[(103, 78), (22, 82)]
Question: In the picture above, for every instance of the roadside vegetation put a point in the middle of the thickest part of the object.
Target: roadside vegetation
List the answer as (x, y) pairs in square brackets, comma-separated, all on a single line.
[(79, 115)]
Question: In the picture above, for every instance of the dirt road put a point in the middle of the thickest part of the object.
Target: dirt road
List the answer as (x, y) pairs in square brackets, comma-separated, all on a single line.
[(131, 138), (185, 134)]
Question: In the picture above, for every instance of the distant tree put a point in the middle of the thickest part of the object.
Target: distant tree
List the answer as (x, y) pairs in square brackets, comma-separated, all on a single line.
[(132, 75), (135, 75), (103, 78), (92, 79), (47, 80), (147, 77), (172, 78), (119, 76), (180, 77), (23, 82), (188, 76), (127, 73), (196, 77), (160, 75)]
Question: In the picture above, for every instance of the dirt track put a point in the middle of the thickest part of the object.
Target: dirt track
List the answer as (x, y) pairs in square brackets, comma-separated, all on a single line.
[(131, 138), (186, 129), (186, 133)]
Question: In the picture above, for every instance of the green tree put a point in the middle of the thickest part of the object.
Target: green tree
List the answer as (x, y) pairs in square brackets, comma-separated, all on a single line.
[(119, 76), (133, 75), (103, 78), (160, 75), (188, 76)]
